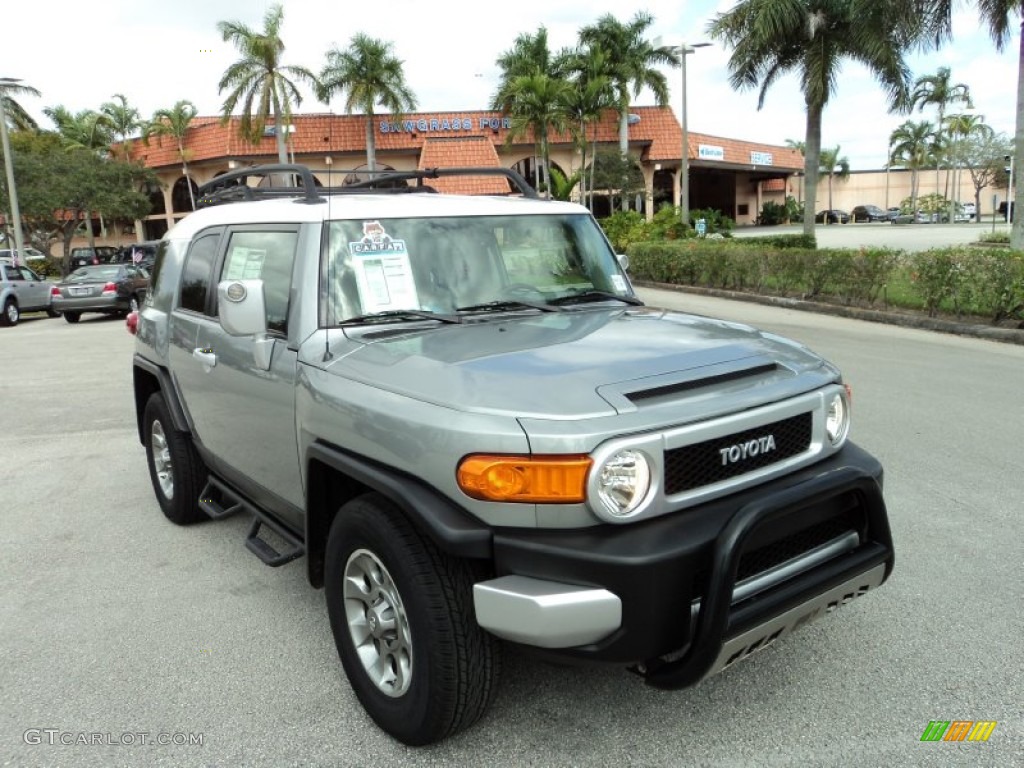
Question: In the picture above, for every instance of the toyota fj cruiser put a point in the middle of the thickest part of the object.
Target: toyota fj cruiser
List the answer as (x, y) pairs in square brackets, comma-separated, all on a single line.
[(458, 411)]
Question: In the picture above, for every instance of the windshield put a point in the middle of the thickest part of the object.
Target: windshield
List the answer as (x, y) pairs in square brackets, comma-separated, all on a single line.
[(83, 274), (445, 265)]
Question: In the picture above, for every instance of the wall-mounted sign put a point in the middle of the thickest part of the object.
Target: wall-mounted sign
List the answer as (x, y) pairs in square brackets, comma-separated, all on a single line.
[(710, 152), (445, 124), (761, 158)]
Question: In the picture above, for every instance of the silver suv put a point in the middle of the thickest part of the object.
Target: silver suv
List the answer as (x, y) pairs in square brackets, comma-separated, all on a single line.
[(22, 290), (456, 409)]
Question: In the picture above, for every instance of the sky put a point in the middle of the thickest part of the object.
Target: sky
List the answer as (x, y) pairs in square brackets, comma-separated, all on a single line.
[(156, 53)]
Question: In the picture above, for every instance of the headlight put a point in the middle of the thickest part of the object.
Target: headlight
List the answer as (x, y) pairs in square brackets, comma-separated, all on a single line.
[(622, 483), (837, 422)]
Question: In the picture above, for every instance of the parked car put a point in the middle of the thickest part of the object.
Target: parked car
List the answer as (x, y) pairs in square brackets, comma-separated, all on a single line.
[(30, 254), (106, 288), (1002, 210), (83, 257), (140, 254), (971, 210), (22, 290), (869, 213), (893, 212), (835, 216)]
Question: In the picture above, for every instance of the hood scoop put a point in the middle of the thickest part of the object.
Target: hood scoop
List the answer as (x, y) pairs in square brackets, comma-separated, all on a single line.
[(694, 384), (639, 397)]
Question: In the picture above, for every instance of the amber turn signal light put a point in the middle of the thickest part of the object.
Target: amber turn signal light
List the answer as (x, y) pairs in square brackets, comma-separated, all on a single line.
[(525, 479)]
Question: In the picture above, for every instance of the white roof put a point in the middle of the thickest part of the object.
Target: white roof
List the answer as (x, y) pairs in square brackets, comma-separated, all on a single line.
[(365, 206)]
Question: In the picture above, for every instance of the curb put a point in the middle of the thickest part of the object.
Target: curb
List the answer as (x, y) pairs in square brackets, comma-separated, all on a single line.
[(1004, 335)]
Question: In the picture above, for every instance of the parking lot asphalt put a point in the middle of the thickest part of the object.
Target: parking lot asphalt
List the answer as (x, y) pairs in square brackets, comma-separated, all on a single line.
[(907, 237), (115, 622)]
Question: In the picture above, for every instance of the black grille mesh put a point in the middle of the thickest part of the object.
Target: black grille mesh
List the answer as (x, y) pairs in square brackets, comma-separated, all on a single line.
[(700, 464)]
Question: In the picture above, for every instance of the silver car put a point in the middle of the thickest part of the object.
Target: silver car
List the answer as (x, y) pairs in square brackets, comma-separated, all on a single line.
[(22, 290), (106, 288)]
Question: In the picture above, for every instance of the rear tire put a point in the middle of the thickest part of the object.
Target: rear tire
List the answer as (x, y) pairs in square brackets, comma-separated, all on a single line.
[(11, 314), (72, 317), (51, 312), (175, 468), (403, 621)]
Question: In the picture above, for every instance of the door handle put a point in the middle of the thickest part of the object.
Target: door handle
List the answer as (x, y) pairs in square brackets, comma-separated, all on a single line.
[(205, 356)]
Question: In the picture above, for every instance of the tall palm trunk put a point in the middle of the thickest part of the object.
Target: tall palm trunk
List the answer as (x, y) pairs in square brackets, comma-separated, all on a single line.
[(624, 142), (184, 170), (371, 145), (812, 164)]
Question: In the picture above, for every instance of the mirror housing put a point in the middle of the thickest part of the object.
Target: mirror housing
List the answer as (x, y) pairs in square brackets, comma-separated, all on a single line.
[(623, 261), (241, 307)]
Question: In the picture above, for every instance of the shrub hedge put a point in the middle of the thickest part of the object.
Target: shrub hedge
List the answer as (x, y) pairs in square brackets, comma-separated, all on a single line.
[(987, 282)]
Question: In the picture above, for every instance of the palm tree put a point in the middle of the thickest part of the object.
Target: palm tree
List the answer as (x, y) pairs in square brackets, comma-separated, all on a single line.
[(938, 90), (87, 129), (591, 94), (771, 38), (174, 122), (259, 81), (960, 128), (632, 62), (369, 74), (529, 55), (911, 146), (124, 121), (538, 105), (17, 117), (833, 166)]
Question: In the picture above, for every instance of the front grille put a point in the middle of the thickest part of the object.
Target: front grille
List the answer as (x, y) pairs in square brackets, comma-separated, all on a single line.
[(694, 466)]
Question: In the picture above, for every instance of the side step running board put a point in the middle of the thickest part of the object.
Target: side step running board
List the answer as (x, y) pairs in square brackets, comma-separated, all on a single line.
[(266, 552), (219, 501)]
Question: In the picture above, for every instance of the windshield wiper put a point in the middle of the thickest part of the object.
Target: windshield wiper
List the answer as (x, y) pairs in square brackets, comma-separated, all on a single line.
[(587, 296), (501, 306), (400, 315)]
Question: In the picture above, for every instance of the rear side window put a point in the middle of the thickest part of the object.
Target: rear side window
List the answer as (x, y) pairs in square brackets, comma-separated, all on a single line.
[(198, 272), (268, 256)]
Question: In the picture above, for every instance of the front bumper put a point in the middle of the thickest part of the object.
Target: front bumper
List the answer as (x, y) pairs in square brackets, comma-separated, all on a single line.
[(687, 594)]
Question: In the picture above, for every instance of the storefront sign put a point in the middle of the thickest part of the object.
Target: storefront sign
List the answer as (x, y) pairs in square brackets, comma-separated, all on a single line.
[(761, 158), (710, 152), (445, 124)]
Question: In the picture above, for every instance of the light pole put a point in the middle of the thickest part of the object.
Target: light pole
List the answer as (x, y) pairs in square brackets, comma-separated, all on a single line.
[(685, 50), (12, 192), (1009, 191)]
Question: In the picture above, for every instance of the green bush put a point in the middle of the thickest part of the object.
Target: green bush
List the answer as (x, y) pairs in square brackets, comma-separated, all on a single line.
[(716, 222), (784, 241), (624, 228), (772, 213), (667, 224)]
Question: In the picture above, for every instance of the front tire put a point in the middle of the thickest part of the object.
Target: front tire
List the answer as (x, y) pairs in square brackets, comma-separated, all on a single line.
[(72, 317), (402, 616), (175, 468)]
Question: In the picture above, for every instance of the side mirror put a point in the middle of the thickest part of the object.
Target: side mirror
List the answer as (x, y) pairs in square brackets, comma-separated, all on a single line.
[(241, 307), (623, 261)]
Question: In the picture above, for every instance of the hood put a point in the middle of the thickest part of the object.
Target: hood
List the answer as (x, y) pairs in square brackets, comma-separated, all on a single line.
[(568, 365)]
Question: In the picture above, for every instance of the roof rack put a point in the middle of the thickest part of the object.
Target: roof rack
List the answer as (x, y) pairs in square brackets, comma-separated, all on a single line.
[(300, 183)]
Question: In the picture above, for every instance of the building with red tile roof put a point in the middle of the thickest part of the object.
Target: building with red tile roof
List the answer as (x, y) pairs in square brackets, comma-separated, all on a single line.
[(733, 176)]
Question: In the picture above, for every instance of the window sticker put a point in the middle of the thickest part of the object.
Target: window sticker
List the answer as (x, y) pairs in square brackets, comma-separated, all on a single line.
[(383, 273), (245, 263), (619, 282)]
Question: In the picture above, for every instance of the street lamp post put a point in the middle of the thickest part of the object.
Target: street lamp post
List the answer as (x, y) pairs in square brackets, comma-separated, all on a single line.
[(1009, 191), (12, 192), (684, 160)]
